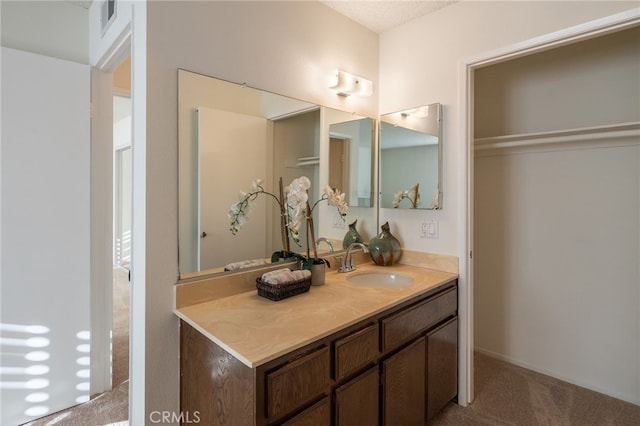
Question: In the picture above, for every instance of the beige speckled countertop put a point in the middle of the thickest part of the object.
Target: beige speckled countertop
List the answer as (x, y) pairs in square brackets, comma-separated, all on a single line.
[(256, 330)]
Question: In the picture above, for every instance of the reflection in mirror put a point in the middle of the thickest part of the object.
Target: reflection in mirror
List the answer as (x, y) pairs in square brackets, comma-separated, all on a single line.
[(229, 136), (350, 160), (411, 158)]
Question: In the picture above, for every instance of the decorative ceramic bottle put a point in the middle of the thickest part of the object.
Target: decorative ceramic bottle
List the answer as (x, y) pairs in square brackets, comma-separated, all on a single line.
[(352, 236), (384, 248)]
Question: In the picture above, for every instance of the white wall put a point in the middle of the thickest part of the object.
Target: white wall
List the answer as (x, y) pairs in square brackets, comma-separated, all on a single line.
[(45, 235), (556, 254), (51, 28), (558, 226), (555, 90), (459, 34), (444, 39), (285, 47)]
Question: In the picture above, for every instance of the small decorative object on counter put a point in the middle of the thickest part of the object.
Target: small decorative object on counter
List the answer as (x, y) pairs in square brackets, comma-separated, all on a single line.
[(283, 283), (352, 235), (384, 248), (318, 268)]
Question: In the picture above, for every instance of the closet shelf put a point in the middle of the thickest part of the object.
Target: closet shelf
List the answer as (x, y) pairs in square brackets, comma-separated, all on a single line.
[(600, 135), (303, 162)]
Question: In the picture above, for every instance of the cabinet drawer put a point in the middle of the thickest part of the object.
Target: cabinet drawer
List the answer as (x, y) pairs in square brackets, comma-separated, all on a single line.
[(400, 327), (319, 414), (356, 351), (297, 382)]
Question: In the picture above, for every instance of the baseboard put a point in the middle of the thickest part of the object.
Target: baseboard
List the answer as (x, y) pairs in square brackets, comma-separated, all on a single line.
[(509, 360)]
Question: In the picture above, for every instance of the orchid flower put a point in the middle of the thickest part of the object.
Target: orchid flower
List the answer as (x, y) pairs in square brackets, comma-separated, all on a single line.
[(239, 211), (297, 198), (295, 205), (412, 194)]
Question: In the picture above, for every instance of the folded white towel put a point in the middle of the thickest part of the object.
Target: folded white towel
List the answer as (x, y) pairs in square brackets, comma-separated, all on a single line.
[(245, 264), (301, 274), (283, 276)]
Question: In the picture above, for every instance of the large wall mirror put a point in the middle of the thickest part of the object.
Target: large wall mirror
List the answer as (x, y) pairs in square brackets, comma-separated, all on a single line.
[(229, 136), (411, 158)]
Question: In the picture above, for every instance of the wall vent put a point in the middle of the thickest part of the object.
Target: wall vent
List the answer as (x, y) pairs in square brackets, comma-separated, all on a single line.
[(107, 14)]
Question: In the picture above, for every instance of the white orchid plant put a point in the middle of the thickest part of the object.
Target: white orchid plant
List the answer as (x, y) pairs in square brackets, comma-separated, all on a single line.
[(412, 194), (294, 208)]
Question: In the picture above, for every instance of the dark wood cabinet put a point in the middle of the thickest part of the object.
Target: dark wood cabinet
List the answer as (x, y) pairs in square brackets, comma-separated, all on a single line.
[(356, 401), (403, 386), (442, 366), (398, 367), (356, 351), (297, 382), (317, 415), (414, 320)]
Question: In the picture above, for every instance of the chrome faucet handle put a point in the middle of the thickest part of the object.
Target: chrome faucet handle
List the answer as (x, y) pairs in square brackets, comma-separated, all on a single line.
[(347, 263), (323, 239)]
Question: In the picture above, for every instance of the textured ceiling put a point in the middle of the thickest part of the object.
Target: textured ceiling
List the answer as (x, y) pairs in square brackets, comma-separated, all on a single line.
[(382, 15), (82, 3), (377, 15)]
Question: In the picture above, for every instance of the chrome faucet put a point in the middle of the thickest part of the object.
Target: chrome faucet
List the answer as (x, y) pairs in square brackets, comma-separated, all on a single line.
[(347, 264), (321, 239)]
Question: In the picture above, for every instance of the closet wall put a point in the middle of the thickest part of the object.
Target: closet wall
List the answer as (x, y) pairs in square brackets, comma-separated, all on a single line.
[(557, 218)]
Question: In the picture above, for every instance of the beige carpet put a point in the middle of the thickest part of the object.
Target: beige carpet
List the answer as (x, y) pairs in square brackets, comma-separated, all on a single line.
[(120, 334), (109, 408), (511, 395)]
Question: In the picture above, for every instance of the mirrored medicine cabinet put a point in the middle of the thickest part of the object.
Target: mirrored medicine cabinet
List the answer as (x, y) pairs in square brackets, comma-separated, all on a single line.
[(411, 158)]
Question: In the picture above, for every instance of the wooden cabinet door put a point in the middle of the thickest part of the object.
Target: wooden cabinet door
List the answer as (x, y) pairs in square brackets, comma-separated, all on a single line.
[(403, 386), (357, 400), (319, 414), (442, 366)]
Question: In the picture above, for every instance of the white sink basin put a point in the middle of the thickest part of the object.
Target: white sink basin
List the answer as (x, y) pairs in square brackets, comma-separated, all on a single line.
[(379, 279)]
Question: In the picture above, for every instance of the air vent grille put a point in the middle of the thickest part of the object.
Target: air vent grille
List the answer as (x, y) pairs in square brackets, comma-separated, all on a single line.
[(107, 14)]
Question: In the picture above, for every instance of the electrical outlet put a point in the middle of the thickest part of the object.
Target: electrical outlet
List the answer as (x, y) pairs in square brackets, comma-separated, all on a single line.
[(429, 229), (338, 221)]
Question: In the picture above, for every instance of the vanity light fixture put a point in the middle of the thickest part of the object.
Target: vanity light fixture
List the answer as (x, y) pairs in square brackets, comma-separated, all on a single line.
[(348, 84), (420, 112)]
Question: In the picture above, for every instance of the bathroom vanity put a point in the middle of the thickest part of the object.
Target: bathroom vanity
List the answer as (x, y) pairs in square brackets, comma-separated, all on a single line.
[(341, 354)]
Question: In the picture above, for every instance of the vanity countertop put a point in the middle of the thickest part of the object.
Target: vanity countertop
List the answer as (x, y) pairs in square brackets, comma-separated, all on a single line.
[(256, 330)]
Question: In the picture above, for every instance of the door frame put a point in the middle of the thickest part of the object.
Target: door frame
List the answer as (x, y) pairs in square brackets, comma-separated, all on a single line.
[(345, 160), (591, 29), (102, 217), (118, 205)]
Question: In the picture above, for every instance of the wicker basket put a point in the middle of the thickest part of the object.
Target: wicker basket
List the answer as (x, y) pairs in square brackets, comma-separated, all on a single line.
[(282, 291)]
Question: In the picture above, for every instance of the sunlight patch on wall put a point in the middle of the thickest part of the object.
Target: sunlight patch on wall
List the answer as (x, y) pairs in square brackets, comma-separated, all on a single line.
[(28, 373)]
